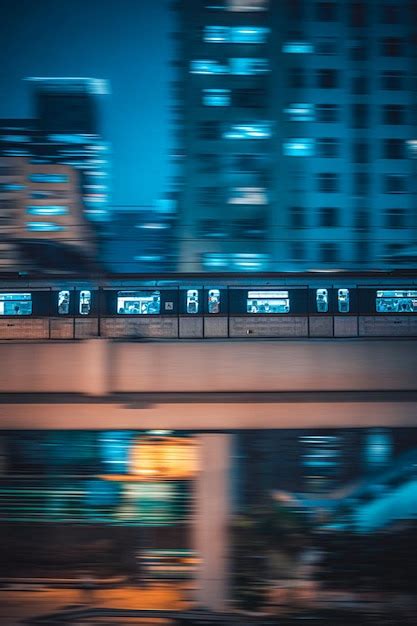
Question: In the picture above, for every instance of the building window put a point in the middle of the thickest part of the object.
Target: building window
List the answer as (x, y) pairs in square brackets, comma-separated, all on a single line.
[(297, 217), (396, 301), (326, 11), (209, 130), (15, 303), (268, 302), (254, 98), (362, 220), (297, 78), (192, 301), (395, 183), (47, 210), (360, 183), (214, 301), (210, 196), (216, 97), (411, 148), (85, 302), (360, 152), (298, 47), (327, 112), (329, 217), (239, 6), (248, 67), (329, 253), (208, 66), (211, 228), (360, 84), (327, 78), (250, 228), (328, 147), (328, 182), (259, 130), (48, 178), (394, 114), (395, 218), (390, 14), (359, 50), (322, 300), (392, 80), (138, 302), (44, 227), (393, 149), (392, 47), (297, 250), (298, 147), (360, 113), (327, 46), (358, 14), (300, 112), (236, 34), (248, 195), (63, 302), (343, 300)]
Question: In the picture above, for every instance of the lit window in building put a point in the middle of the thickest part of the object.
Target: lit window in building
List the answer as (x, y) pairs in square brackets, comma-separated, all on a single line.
[(48, 178), (343, 300), (248, 195), (138, 302), (299, 147), (192, 301), (268, 302), (214, 301), (85, 302), (216, 97), (15, 303), (208, 66), (248, 67), (63, 302), (412, 148), (298, 47), (258, 130), (44, 227), (322, 300), (236, 34), (398, 301), (300, 112), (47, 210), (238, 6)]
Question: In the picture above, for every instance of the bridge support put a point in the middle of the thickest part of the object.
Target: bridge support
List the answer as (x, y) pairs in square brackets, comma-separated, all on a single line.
[(212, 521)]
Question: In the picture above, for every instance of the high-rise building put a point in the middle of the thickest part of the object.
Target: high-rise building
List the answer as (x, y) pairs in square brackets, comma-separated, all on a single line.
[(297, 134)]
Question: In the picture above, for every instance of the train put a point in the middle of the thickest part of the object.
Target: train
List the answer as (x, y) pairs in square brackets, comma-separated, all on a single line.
[(207, 306)]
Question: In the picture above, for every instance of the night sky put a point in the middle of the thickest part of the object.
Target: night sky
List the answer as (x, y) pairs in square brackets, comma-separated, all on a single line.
[(125, 41)]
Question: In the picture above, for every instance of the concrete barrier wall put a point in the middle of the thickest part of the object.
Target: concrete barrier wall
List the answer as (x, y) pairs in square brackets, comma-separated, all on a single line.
[(98, 367)]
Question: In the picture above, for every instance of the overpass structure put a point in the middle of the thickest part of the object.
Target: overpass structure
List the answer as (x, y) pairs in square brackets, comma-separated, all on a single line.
[(212, 389)]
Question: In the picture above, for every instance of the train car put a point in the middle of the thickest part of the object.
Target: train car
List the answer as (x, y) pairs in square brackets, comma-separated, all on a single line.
[(208, 307)]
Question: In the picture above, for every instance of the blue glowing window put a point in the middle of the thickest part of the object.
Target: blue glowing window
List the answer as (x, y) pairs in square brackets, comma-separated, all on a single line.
[(214, 301), (236, 34), (15, 138), (44, 227), (47, 210), (216, 97), (48, 178), (322, 300), (192, 301), (138, 302), (259, 130), (300, 112), (208, 66), (398, 301), (63, 302), (343, 300), (11, 187), (298, 47), (268, 302), (248, 67), (239, 6), (15, 303), (299, 147)]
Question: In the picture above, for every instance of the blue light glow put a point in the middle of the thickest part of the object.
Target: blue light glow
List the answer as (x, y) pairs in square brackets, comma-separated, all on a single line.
[(48, 178), (298, 47), (47, 210), (299, 147), (44, 227)]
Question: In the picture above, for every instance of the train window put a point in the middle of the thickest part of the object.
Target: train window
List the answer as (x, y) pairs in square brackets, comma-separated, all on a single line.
[(15, 303), (399, 301), (268, 302), (63, 302), (192, 301), (85, 302), (322, 300), (214, 301), (343, 301), (138, 302)]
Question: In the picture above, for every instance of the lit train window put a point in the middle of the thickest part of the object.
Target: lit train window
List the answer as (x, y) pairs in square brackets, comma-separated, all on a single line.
[(192, 301), (214, 301), (268, 302), (85, 302), (15, 303), (138, 302), (63, 302), (398, 301), (343, 301), (322, 300)]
